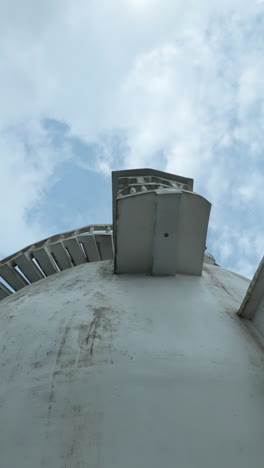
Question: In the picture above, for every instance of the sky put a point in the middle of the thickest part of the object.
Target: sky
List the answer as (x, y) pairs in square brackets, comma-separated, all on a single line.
[(87, 87)]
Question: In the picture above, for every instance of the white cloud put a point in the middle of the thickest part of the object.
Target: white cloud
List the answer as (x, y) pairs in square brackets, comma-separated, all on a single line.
[(26, 175), (183, 79)]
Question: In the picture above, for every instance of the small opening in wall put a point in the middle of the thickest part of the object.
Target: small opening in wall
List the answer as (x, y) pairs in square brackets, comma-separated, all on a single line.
[(21, 273), (36, 262), (7, 285), (166, 234), (83, 251), (69, 255), (56, 263)]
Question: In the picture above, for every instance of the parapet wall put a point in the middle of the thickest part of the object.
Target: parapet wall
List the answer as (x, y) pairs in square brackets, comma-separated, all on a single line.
[(57, 253)]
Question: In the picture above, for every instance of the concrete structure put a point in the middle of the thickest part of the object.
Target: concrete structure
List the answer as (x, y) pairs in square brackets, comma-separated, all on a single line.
[(130, 370), (252, 307), (160, 225), (57, 253)]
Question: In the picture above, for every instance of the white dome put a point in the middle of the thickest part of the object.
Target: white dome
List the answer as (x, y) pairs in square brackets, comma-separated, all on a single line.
[(119, 371)]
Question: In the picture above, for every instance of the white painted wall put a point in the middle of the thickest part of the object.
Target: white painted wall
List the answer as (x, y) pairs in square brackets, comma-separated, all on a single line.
[(107, 371)]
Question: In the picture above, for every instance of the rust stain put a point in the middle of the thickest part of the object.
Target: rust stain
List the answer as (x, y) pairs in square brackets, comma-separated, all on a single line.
[(37, 364), (62, 343), (99, 330)]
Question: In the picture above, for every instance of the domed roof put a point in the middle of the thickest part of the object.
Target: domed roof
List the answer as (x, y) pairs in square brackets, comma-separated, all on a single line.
[(118, 370)]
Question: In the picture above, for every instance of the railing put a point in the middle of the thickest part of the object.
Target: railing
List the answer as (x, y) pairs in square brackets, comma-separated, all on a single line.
[(56, 253)]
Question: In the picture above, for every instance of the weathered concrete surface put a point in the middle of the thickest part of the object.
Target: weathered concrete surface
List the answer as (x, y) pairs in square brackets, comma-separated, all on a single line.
[(107, 371), (161, 232), (4, 291), (54, 254), (252, 307)]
